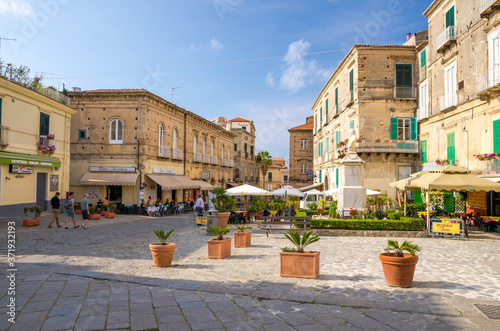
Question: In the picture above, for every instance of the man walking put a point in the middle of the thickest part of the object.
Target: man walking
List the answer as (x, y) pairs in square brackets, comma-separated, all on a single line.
[(56, 203), (85, 210), (70, 209), (199, 205)]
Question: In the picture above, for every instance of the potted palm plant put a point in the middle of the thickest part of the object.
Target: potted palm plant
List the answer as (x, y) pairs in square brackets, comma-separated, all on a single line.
[(224, 205), (398, 266), (33, 221), (242, 238), (294, 261), (111, 213), (163, 252), (219, 247), (94, 214)]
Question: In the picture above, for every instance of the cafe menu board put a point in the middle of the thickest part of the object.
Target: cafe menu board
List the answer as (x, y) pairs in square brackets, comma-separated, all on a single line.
[(477, 199), (452, 228)]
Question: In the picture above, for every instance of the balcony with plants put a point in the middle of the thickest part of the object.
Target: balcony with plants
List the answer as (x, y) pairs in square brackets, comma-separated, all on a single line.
[(46, 143)]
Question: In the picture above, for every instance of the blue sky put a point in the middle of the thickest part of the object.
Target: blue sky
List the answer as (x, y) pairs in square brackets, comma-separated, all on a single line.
[(228, 57)]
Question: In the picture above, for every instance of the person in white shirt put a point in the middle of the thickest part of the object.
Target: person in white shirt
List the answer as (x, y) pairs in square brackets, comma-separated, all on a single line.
[(200, 204)]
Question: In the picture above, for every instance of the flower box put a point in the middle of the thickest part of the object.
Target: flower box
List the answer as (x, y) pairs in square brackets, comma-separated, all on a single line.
[(31, 222), (95, 216)]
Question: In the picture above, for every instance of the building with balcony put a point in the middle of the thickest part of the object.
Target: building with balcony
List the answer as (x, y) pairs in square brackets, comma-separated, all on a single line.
[(130, 144), (245, 168), (459, 108), (34, 148), (301, 154), (373, 92)]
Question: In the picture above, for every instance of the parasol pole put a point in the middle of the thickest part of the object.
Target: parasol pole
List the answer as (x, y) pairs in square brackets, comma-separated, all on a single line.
[(404, 201), (246, 208), (428, 213)]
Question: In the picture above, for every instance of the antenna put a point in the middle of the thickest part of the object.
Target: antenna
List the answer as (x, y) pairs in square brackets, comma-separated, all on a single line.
[(173, 90), (1, 44), (42, 73)]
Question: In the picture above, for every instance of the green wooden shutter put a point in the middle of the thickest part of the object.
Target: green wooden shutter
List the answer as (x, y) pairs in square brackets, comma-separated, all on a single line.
[(320, 117), (394, 128), (351, 124), (270, 176), (351, 80), (336, 100), (326, 110), (423, 151), (450, 17), (337, 137), (315, 123), (496, 136), (320, 173), (327, 138), (403, 75), (423, 58), (414, 128), (337, 176), (450, 139), (44, 124)]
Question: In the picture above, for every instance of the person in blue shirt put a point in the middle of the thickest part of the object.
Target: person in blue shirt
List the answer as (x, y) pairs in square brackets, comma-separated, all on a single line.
[(85, 210)]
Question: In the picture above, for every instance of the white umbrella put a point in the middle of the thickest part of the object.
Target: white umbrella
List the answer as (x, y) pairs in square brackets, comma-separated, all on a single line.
[(288, 190), (246, 190), (335, 191)]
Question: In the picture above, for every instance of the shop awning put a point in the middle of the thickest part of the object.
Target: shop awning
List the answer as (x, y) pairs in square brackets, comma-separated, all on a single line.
[(173, 182), (28, 159), (204, 186), (310, 187), (117, 179)]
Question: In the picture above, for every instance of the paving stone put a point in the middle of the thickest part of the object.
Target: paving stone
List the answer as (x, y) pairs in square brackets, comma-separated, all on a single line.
[(119, 297), (194, 315), (220, 306), (65, 310), (59, 322), (179, 326), (192, 304), (331, 322), (140, 298), (168, 311), (299, 297), (211, 297), (94, 309), (69, 300), (277, 306), (366, 323), (117, 317), (264, 317), (141, 309), (295, 318), (118, 326), (312, 310), (310, 327), (170, 318), (186, 285), (28, 321), (143, 322), (278, 327), (44, 297), (38, 306), (209, 325), (90, 323), (73, 292), (187, 297), (231, 316), (267, 294)]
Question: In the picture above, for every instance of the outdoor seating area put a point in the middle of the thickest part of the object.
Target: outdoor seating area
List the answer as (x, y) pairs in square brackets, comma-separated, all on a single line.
[(157, 211)]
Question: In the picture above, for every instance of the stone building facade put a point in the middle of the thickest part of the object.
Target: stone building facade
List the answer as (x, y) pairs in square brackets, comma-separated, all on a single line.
[(131, 144), (373, 92), (277, 174), (459, 108), (34, 147), (301, 153)]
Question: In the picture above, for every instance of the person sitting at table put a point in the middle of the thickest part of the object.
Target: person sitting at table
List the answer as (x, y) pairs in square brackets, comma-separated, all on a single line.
[(99, 203)]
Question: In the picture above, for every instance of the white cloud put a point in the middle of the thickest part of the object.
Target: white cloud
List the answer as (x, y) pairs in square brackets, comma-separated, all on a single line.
[(215, 45), (194, 48), (297, 72), (16, 7), (270, 79)]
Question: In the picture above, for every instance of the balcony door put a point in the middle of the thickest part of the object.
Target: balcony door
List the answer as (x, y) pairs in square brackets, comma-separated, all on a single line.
[(450, 85), (493, 59)]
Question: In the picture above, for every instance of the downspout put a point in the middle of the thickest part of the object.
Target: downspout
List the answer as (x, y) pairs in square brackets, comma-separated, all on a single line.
[(185, 142), (139, 145)]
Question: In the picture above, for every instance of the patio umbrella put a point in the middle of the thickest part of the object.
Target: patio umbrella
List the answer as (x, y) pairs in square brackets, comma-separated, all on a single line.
[(335, 191), (406, 184), (246, 190), (288, 190)]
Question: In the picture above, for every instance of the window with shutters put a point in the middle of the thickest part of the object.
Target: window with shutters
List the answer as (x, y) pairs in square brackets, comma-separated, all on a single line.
[(337, 137), (337, 100), (269, 176), (337, 176), (235, 147), (0, 111), (404, 75), (320, 176), (404, 171), (450, 17), (82, 134), (424, 101), (303, 168), (496, 136), (493, 59), (423, 64), (351, 124), (450, 86), (44, 124), (326, 110), (404, 128), (423, 151), (116, 132), (327, 148), (303, 144), (195, 146), (315, 123), (160, 137), (450, 147), (174, 139), (351, 83)]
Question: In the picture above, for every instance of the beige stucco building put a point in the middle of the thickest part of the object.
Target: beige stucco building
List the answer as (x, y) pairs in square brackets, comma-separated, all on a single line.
[(373, 91), (34, 147), (277, 174), (459, 108), (301, 153), (131, 145)]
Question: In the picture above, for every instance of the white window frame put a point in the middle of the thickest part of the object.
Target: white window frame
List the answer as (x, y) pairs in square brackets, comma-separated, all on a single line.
[(450, 87), (406, 125), (494, 58), (174, 139), (160, 136), (303, 168), (117, 139), (212, 149), (303, 144), (195, 143), (424, 100)]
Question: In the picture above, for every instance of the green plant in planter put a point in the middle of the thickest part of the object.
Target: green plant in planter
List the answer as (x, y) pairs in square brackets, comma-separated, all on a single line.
[(163, 236), (300, 242), (113, 207), (218, 232), (277, 204), (37, 210), (78, 205), (92, 210), (408, 246), (257, 205), (26, 210), (222, 201), (332, 211), (242, 228), (313, 206)]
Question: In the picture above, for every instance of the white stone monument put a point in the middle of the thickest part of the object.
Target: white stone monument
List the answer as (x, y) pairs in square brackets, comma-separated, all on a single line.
[(352, 192)]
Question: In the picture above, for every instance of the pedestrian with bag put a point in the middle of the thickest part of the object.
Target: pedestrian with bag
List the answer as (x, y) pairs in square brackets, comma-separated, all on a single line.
[(56, 203), (85, 210), (69, 205), (199, 205)]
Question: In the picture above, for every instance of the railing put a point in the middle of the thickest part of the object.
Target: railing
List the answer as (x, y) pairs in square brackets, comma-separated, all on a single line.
[(422, 113), (177, 153), (445, 37), (214, 160), (164, 152), (448, 100), (4, 136), (485, 6), (197, 157), (387, 146), (488, 79), (491, 167), (206, 158), (423, 73), (43, 141), (401, 92)]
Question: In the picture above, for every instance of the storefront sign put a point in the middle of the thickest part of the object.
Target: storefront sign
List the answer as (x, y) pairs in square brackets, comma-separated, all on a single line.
[(201, 220), (446, 227), (112, 169), (163, 171), (205, 174), (21, 169), (477, 199), (29, 160), (54, 183)]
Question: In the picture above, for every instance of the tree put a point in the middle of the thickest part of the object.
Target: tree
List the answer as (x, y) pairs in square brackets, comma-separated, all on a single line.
[(265, 161)]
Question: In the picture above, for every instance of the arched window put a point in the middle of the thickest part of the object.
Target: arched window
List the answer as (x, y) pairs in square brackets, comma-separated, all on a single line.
[(174, 139), (160, 137), (204, 146), (116, 132), (195, 143)]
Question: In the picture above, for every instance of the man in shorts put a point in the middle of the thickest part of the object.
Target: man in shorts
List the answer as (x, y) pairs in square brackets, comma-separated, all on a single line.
[(85, 210), (70, 211)]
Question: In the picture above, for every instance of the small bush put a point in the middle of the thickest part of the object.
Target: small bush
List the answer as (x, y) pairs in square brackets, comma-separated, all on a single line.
[(404, 224)]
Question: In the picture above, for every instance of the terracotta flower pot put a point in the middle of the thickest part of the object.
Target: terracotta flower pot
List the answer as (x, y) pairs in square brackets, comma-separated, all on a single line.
[(242, 239), (109, 215), (398, 271), (31, 222), (223, 219), (95, 216), (162, 254), (78, 211), (219, 249), (299, 265), (103, 213)]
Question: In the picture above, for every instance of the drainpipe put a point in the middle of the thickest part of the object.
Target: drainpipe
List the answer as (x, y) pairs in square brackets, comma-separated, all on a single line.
[(139, 144), (185, 142)]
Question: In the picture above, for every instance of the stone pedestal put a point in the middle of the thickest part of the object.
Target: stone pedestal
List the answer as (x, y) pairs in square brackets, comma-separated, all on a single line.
[(352, 192)]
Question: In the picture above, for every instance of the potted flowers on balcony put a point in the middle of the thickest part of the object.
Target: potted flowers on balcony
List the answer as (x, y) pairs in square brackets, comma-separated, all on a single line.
[(219, 247), (163, 252), (51, 136), (294, 261), (242, 238), (486, 156), (33, 221), (398, 266)]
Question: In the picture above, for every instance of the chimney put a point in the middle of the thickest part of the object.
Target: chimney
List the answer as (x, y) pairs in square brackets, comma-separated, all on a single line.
[(408, 35)]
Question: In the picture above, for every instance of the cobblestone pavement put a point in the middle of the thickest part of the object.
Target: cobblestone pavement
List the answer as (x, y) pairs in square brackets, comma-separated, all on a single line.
[(104, 278)]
